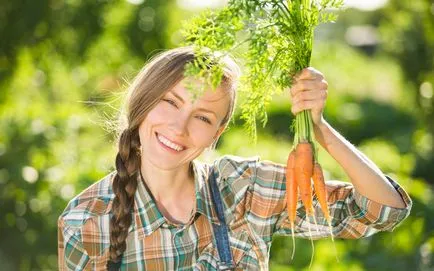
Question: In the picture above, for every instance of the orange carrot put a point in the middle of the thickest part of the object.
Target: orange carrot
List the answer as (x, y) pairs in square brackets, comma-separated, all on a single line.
[(320, 190), (303, 174), (291, 195), (291, 188), (321, 194)]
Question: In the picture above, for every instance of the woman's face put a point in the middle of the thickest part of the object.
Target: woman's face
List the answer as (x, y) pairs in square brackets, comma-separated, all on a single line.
[(176, 130)]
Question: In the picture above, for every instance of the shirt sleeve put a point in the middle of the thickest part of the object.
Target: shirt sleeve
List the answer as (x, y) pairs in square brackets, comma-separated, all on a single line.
[(71, 253), (353, 215)]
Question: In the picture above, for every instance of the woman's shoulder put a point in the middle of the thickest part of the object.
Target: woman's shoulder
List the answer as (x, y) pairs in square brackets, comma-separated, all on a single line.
[(235, 166), (231, 165), (94, 201)]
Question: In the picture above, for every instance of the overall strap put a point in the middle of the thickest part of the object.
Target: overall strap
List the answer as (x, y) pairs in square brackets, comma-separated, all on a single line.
[(220, 231)]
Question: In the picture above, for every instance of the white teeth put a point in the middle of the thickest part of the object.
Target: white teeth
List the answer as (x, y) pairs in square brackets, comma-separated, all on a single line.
[(169, 144)]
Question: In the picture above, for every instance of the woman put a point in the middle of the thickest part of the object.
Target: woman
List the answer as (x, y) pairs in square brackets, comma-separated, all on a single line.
[(163, 210)]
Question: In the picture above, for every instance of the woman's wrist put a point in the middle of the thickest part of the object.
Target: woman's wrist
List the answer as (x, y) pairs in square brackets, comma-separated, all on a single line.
[(321, 129)]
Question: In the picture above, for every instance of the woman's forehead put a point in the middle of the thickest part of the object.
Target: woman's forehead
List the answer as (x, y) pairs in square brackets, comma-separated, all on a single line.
[(209, 95)]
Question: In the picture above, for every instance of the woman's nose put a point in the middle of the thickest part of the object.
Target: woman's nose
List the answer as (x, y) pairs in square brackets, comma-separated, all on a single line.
[(179, 124)]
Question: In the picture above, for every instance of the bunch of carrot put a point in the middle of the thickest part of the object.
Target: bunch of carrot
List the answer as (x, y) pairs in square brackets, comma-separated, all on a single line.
[(302, 169)]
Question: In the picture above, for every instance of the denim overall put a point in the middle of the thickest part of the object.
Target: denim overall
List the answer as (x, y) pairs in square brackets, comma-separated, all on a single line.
[(221, 231)]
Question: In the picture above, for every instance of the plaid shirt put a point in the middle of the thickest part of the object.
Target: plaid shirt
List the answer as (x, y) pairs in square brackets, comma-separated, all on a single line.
[(253, 193)]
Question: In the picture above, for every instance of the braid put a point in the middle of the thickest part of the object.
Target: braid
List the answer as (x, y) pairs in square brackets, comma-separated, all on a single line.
[(124, 188)]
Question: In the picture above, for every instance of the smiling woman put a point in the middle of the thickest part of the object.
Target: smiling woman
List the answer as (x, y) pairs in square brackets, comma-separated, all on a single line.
[(163, 131), (162, 209)]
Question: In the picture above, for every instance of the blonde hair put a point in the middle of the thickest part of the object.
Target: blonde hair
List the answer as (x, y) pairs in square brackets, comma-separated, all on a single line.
[(156, 78)]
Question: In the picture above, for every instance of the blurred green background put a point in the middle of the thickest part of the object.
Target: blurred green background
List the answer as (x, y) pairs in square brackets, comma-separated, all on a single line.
[(65, 63)]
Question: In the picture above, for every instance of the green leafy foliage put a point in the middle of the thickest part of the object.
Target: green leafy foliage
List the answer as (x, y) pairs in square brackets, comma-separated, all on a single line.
[(279, 43)]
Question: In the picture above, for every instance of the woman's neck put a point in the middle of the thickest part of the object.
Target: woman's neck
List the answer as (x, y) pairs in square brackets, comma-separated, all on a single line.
[(168, 185), (172, 190)]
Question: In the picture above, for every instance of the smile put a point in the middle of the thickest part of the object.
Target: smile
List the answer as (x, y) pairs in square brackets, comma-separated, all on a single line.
[(166, 142)]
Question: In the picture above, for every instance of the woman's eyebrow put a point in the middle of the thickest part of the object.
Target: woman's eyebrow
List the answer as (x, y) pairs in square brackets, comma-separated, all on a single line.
[(177, 96), (200, 108), (208, 111)]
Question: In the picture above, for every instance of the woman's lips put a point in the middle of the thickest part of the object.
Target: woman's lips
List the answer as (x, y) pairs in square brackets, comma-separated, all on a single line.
[(173, 147)]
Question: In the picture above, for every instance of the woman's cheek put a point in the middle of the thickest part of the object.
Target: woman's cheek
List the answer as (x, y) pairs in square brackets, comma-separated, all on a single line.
[(159, 113), (200, 135)]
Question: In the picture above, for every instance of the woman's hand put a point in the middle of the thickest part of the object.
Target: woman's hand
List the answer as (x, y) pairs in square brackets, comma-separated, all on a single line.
[(309, 91)]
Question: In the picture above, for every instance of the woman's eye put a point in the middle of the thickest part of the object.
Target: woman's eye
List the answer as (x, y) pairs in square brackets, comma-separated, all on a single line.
[(204, 119), (171, 102)]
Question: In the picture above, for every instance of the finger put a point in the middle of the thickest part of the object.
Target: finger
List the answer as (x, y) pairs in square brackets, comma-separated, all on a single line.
[(309, 73), (306, 84), (316, 105), (310, 95)]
